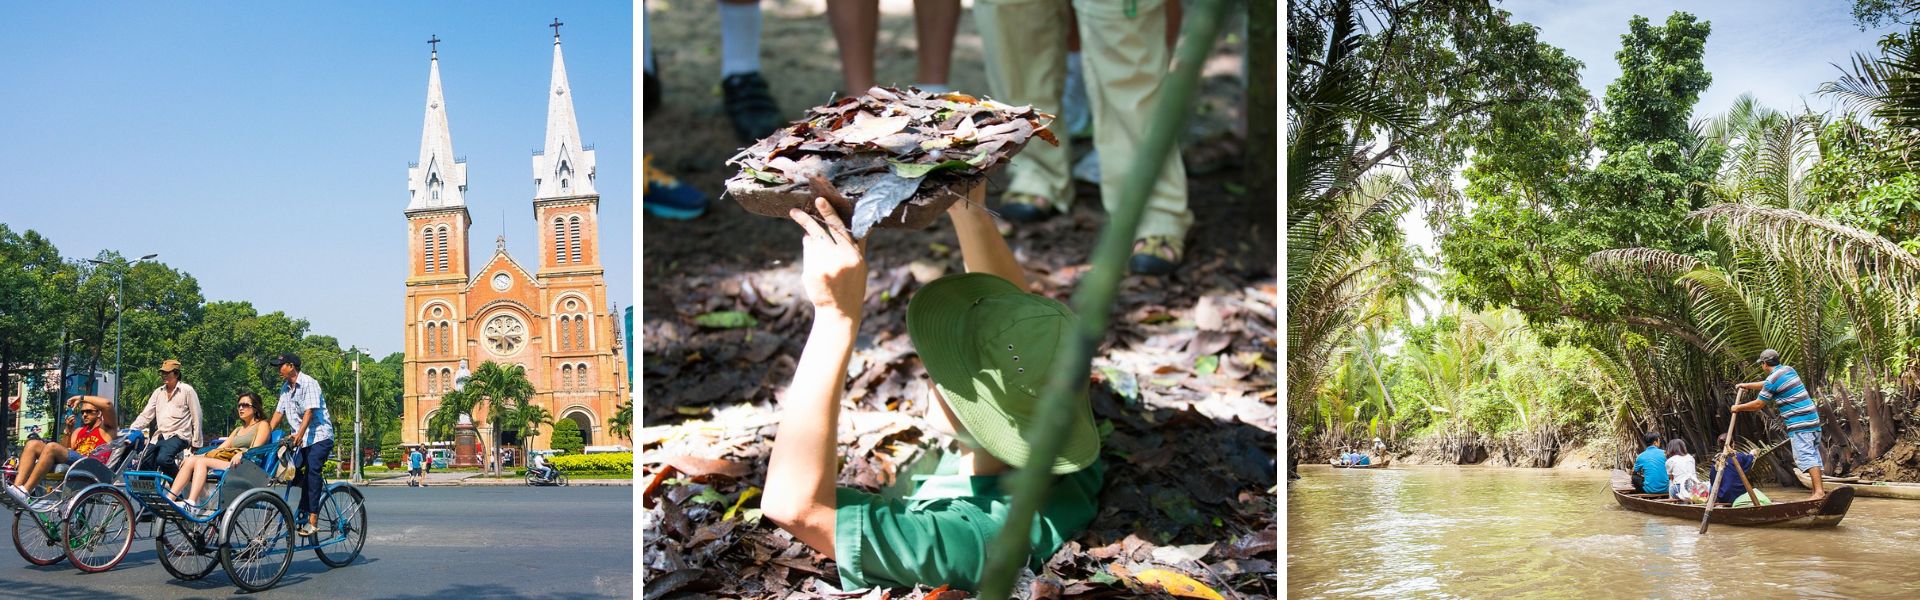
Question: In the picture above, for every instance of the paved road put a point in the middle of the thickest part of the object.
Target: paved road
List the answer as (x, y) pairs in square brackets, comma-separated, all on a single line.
[(467, 543)]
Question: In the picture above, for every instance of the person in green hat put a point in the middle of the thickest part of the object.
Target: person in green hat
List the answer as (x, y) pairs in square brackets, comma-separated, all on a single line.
[(989, 347)]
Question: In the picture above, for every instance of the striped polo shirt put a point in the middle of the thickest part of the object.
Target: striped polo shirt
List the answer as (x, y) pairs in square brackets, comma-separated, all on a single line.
[(1784, 391)]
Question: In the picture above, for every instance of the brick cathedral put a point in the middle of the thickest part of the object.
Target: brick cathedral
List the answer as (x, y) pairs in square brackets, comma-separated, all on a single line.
[(550, 316)]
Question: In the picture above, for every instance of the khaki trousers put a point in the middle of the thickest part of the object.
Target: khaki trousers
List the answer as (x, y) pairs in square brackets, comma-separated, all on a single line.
[(1125, 60)]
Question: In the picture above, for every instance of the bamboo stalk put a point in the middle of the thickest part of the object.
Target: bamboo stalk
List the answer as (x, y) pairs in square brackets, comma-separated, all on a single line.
[(1093, 299)]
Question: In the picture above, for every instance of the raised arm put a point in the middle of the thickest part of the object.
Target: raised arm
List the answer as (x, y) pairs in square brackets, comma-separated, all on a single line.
[(981, 246), (800, 474)]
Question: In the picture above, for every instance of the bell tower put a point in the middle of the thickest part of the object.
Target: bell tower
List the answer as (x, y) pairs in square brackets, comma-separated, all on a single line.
[(437, 224), (565, 204)]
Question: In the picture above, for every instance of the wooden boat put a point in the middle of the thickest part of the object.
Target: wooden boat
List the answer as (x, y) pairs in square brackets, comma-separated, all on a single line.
[(1825, 512), (1378, 465), (1867, 487)]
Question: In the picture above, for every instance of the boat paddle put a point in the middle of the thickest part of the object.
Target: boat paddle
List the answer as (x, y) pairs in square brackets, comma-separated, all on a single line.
[(1720, 471)]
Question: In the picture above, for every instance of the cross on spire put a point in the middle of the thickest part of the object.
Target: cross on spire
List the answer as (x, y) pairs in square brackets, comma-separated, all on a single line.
[(556, 28), (434, 43)]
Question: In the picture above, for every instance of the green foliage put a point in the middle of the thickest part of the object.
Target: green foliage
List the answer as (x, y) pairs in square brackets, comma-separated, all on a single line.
[(566, 437), (620, 425), (606, 462)]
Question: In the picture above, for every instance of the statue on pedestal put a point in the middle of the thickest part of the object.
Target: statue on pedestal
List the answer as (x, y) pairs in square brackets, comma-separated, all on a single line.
[(465, 454)]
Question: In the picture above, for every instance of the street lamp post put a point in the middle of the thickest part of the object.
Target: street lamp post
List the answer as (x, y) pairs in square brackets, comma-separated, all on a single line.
[(120, 307), (358, 477)]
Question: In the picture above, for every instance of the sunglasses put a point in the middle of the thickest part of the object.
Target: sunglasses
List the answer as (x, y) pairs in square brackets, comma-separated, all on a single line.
[(89, 412), (246, 406)]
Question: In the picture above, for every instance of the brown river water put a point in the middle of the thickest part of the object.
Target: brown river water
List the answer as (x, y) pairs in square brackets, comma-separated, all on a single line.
[(1486, 532)]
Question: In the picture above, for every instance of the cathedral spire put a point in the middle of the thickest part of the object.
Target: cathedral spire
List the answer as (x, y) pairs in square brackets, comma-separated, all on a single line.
[(438, 179), (564, 167)]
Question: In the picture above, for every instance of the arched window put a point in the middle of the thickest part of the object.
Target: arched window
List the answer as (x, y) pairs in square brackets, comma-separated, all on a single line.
[(566, 377), (446, 337), (443, 247), (559, 240), (580, 331), (446, 380), (566, 333), (573, 232), (433, 383), (426, 249), (433, 332), (582, 372), (563, 184)]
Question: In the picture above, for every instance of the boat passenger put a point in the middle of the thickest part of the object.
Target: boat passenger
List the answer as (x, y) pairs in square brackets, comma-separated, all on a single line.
[(1684, 481), (1651, 465), (1731, 487)]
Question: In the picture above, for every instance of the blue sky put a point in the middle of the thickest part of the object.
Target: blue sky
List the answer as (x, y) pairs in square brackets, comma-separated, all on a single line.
[(226, 136)]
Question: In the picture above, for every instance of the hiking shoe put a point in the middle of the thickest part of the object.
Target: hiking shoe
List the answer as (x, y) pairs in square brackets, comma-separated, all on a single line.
[(652, 94), (750, 106), (1026, 208), (1156, 255), (667, 197)]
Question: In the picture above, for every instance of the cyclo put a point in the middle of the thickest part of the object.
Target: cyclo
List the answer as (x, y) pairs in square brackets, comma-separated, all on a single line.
[(67, 521), (250, 533)]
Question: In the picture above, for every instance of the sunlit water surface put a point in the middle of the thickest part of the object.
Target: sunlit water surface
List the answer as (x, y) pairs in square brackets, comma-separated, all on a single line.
[(1481, 532)]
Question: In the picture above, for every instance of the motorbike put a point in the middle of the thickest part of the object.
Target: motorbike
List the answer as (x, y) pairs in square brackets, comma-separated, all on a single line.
[(554, 476)]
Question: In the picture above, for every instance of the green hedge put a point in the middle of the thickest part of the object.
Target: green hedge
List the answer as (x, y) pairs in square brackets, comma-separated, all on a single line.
[(610, 462), (566, 437)]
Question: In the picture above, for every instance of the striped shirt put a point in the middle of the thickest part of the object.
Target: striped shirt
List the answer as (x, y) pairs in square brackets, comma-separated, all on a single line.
[(1783, 390)]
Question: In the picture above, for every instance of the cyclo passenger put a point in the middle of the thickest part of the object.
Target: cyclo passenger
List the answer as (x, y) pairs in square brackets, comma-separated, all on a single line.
[(193, 472), (90, 438)]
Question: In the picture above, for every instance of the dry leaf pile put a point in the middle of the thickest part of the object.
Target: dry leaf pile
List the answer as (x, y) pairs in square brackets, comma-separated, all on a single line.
[(896, 153)]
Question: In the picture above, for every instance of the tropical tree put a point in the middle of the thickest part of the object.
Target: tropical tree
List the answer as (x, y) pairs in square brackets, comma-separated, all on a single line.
[(498, 388), (621, 423), (527, 418)]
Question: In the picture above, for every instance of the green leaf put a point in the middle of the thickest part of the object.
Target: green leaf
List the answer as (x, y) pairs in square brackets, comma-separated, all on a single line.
[(708, 496), (1103, 578), (764, 176), (726, 319), (1206, 365)]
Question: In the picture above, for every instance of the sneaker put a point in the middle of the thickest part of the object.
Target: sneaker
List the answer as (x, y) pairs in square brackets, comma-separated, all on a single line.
[(307, 530), (1156, 255), (1026, 208), (667, 197), (750, 106), (18, 495)]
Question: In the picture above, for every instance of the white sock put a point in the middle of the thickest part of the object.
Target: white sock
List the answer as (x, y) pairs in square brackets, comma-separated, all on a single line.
[(739, 38)]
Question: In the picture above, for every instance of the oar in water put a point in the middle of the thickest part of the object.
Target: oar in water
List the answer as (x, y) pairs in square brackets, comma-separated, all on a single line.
[(1719, 473)]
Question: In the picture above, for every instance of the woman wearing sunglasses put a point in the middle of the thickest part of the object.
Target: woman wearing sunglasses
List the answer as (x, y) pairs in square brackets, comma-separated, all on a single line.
[(39, 457), (251, 432)]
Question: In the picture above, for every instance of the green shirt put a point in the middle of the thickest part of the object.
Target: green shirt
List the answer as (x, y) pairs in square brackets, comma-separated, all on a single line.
[(939, 535)]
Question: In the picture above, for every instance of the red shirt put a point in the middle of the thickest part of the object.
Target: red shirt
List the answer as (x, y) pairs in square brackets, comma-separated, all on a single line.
[(86, 439)]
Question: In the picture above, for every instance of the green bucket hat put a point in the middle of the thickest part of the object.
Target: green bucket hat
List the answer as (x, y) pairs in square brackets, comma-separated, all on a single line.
[(989, 347)]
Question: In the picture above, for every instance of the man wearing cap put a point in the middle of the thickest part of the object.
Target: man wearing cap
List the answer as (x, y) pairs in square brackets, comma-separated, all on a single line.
[(989, 347), (173, 411), (1782, 389), (305, 410)]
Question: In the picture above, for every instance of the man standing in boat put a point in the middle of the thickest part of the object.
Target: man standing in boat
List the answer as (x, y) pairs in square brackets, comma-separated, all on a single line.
[(1782, 389)]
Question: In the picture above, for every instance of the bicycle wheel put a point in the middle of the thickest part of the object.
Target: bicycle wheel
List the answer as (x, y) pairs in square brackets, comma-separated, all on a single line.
[(256, 541), (37, 538), (183, 551), (343, 513), (98, 531)]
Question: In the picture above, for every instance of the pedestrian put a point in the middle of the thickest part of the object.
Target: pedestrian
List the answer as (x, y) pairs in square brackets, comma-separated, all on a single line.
[(305, 410), (173, 411), (413, 467), (1125, 63), (745, 96), (1782, 389), (987, 345), (856, 30)]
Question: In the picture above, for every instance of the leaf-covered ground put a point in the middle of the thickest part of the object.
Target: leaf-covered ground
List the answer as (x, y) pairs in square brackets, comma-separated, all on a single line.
[(1186, 378)]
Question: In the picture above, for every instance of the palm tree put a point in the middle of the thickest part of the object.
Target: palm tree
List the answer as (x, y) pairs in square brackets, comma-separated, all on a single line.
[(621, 423), (499, 388), (528, 418), (453, 404)]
